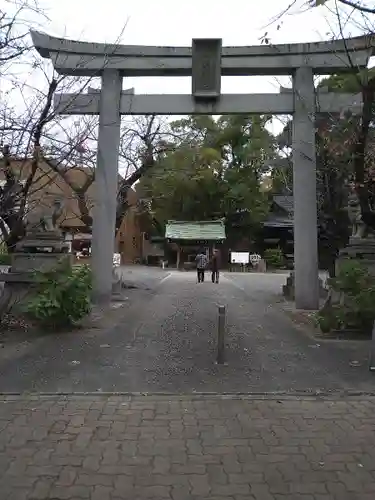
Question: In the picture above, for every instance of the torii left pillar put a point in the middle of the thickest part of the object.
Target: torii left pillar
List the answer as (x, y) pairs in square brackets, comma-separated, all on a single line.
[(106, 186), (306, 275)]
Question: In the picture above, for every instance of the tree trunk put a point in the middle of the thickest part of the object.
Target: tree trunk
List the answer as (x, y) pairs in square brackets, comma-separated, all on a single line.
[(122, 202)]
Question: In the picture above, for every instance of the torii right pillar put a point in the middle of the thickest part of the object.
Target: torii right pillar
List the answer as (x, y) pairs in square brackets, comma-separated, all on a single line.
[(306, 268)]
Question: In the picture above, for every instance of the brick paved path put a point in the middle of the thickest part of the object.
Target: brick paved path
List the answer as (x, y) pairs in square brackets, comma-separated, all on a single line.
[(107, 448)]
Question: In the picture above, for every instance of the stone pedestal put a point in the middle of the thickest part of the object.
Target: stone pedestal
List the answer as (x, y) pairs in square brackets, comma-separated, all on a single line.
[(362, 249), (38, 251), (28, 262), (49, 242)]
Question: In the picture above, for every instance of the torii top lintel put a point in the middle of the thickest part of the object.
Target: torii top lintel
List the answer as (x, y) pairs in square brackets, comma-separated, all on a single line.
[(87, 59)]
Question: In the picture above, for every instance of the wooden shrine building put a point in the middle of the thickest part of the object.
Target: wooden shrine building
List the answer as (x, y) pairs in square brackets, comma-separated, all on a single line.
[(188, 237)]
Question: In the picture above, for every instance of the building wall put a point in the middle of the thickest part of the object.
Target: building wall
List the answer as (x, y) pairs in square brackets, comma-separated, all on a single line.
[(49, 186)]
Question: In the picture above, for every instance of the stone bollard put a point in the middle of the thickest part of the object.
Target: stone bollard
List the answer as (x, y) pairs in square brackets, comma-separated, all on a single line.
[(116, 282), (221, 337), (372, 350), (262, 266)]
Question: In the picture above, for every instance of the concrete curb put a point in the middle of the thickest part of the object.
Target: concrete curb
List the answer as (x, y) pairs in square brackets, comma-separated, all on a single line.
[(292, 395)]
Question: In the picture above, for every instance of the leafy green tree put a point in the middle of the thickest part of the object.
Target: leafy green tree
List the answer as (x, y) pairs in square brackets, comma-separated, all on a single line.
[(212, 169)]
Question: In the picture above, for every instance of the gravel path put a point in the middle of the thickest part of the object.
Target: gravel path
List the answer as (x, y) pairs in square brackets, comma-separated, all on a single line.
[(166, 342)]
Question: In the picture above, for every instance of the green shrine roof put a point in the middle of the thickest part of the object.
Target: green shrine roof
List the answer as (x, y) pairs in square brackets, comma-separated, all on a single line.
[(199, 230)]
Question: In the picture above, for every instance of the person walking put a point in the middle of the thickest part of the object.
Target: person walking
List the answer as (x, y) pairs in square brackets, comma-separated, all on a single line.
[(215, 266), (201, 260)]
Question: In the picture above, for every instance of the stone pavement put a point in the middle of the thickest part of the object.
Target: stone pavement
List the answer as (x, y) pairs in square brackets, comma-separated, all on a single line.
[(193, 447)]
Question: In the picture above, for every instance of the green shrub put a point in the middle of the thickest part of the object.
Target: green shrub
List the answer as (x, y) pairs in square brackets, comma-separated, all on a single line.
[(274, 257), (62, 296), (5, 259), (328, 319), (355, 287)]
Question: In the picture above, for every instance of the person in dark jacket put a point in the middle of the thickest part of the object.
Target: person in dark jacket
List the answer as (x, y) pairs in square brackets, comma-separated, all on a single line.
[(215, 266)]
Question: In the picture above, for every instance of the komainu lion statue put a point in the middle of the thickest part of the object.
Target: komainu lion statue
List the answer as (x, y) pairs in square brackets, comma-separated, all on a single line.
[(49, 222), (363, 224), (359, 229)]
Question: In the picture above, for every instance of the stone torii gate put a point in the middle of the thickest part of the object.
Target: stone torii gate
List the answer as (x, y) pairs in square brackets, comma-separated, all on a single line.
[(206, 61)]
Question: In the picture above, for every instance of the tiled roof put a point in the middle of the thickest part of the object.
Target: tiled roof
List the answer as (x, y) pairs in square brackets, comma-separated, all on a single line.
[(200, 230), (278, 222), (285, 202)]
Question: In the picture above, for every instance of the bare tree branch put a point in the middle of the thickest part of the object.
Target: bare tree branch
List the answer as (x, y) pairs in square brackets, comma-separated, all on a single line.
[(354, 5)]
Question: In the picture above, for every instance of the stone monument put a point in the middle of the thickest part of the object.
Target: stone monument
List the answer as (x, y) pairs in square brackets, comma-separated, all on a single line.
[(42, 249), (43, 245)]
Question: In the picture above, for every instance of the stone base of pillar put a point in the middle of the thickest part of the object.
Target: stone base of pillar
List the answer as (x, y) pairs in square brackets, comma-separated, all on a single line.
[(117, 285), (288, 289)]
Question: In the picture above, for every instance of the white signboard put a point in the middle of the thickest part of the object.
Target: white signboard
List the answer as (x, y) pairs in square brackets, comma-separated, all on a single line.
[(239, 257)]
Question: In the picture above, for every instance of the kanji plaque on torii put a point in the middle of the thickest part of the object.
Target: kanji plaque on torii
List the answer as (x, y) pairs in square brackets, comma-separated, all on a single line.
[(206, 68)]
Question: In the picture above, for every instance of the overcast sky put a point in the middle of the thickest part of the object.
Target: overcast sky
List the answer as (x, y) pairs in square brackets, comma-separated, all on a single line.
[(174, 22)]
